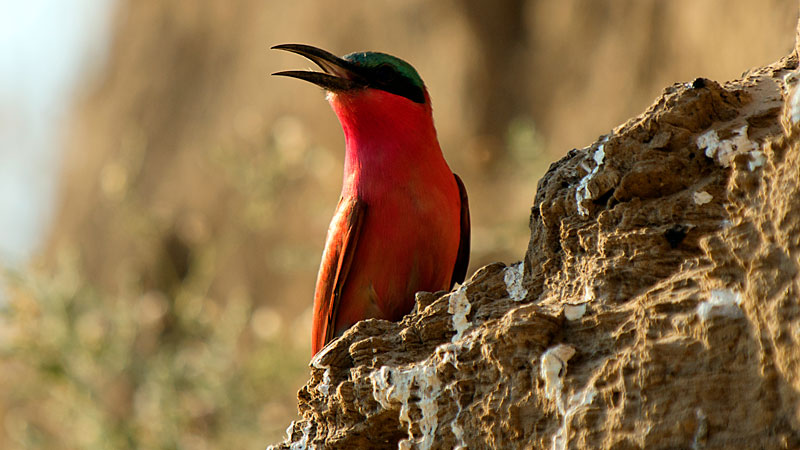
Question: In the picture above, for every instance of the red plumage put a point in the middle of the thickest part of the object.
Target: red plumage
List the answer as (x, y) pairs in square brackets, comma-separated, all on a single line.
[(402, 223)]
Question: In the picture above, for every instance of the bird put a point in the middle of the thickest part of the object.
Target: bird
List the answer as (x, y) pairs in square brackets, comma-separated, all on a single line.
[(402, 222)]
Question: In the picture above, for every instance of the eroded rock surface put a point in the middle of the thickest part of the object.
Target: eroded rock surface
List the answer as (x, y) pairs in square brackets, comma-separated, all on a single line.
[(656, 307)]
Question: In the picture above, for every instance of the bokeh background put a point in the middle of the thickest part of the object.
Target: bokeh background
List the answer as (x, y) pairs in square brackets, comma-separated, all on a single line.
[(164, 201)]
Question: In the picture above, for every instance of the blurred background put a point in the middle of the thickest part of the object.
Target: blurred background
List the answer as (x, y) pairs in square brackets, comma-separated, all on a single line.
[(164, 201)]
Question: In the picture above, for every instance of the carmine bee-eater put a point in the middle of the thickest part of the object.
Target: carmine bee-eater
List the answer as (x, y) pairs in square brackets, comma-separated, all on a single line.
[(402, 223)]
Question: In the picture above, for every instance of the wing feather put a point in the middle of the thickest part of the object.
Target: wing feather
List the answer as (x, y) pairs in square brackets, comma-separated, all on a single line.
[(340, 247), (462, 260)]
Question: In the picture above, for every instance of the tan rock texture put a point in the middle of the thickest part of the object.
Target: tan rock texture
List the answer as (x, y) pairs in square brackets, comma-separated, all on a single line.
[(656, 307)]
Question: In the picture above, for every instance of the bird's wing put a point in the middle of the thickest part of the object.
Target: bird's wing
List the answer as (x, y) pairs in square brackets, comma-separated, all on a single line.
[(336, 260), (462, 260)]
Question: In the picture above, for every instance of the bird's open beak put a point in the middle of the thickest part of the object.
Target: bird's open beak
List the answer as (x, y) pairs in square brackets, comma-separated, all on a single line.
[(338, 74)]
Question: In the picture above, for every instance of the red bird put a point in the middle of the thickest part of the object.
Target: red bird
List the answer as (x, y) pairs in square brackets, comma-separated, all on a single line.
[(402, 223)]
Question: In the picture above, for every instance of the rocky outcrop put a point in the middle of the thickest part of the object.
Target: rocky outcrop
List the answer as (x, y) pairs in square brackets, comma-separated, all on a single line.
[(656, 307)]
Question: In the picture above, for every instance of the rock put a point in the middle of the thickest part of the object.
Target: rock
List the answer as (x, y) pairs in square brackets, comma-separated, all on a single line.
[(672, 245)]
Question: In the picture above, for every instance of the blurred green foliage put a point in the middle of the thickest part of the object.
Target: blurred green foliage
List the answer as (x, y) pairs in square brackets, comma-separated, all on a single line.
[(141, 370)]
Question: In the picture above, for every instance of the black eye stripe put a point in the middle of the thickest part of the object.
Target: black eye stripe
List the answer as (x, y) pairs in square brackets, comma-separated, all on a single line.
[(387, 73), (387, 70), (388, 78)]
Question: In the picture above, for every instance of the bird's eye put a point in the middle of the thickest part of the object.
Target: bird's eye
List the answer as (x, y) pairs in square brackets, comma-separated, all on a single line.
[(385, 71)]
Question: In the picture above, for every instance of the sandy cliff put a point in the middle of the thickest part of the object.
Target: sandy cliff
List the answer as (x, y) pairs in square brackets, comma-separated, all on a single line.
[(656, 307)]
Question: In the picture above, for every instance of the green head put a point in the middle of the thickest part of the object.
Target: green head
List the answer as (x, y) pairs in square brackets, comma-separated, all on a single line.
[(358, 71), (390, 74)]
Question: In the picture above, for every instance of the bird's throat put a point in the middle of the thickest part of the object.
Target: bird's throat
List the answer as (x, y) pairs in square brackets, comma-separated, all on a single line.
[(386, 137)]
